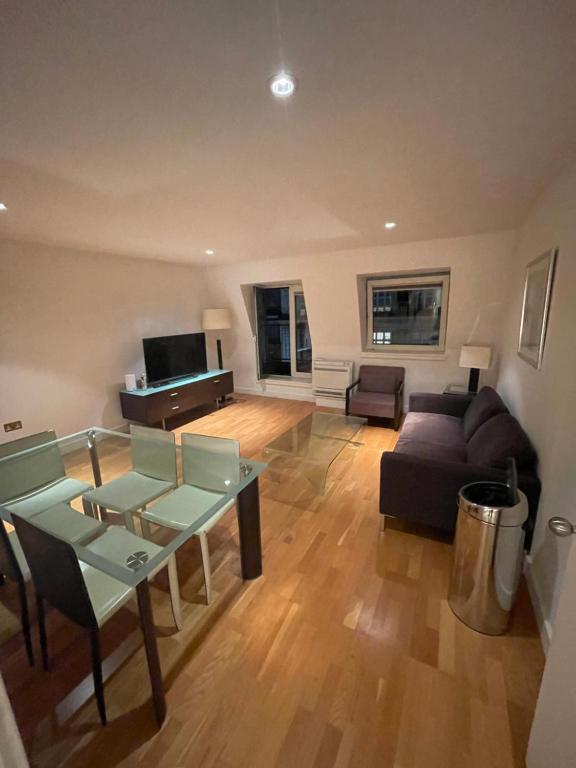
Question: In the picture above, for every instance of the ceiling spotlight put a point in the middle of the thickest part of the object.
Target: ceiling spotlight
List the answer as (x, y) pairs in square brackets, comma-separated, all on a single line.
[(209, 252), (390, 224), (3, 207), (282, 85)]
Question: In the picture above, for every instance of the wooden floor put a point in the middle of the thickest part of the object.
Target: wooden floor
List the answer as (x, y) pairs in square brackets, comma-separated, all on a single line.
[(345, 653)]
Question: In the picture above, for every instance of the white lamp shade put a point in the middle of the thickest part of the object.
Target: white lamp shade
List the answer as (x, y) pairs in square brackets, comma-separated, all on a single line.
[(216, 319), (475, 357)]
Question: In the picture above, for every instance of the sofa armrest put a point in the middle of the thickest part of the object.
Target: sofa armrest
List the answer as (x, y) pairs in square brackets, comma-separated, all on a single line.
[(426, 491), (430, 402)]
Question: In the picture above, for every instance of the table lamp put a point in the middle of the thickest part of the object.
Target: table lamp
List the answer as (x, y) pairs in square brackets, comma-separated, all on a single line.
[(216, 320), (475, 358)]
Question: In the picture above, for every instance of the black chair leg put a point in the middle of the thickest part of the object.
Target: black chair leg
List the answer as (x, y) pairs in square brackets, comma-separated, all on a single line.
[(42, 627), (2, 579), (97, 674), (25, 618)]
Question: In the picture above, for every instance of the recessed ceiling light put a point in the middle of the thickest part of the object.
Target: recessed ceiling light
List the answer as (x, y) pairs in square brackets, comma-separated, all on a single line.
[(3, 207), (282, 85), (209, 252), (390, 224)]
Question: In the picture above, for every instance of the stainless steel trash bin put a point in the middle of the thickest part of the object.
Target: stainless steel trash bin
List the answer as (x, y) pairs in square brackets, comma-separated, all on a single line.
[(488, 551)]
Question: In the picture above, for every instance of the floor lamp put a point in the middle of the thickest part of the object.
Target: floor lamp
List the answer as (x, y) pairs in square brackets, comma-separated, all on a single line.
[(216, 320), (475, 358)]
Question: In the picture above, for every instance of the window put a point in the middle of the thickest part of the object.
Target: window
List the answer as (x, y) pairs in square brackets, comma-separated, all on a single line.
[(283, 334), (407, 313)]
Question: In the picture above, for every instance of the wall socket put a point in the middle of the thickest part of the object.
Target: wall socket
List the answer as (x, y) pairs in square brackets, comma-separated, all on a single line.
[(12, 425)]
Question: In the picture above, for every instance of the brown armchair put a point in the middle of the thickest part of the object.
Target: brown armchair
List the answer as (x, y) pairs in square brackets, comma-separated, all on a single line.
[(379, 393)]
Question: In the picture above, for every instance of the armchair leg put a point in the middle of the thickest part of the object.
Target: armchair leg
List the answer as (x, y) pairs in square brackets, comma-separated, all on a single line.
[(382, 523), (97, 673)]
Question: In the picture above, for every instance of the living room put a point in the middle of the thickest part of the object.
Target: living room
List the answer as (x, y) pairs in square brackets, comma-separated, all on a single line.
[(150, 173)]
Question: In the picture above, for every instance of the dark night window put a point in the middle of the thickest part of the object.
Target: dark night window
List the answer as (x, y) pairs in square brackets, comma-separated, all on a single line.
[(407, 313)]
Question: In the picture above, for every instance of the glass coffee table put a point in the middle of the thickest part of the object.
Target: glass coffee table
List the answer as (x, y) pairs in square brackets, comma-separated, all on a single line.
[(309, 448)]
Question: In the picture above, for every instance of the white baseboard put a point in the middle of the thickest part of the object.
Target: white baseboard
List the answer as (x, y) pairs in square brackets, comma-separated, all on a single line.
[(544, 626)]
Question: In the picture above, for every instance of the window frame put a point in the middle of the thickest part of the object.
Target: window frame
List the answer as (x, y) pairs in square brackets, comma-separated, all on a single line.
[(294, 289), (407, 281)]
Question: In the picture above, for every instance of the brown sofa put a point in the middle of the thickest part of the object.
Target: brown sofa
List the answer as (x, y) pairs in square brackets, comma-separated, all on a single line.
[(445, 442), (377, 392)]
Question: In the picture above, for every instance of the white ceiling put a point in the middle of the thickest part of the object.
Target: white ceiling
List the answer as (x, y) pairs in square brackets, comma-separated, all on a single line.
[(147, 128)]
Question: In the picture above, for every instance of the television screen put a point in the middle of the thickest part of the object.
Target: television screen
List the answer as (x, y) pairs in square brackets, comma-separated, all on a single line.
[(174, 357)]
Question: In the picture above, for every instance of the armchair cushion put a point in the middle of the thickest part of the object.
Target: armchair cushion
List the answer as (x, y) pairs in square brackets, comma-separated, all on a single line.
[(372, 404), (380, 378), (483, 407)]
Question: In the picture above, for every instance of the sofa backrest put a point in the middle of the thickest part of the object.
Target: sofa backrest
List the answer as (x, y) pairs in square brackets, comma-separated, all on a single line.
[(380, 378), (498, 439), (484, 406)]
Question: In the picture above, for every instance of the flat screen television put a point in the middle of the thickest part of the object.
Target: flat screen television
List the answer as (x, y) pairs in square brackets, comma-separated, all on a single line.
[(168, 358)]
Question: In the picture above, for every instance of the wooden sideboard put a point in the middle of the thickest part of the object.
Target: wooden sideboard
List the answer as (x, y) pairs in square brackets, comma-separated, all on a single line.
[(156, 405)]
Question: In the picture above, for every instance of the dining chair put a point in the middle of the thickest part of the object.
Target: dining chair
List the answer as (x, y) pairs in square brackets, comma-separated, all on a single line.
[(83, 594), (13, 566), (152, 475), (62, 520), (34, 481), (210, 467)]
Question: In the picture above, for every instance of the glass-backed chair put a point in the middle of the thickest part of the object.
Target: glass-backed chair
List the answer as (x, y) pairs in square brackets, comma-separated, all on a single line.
[(153, 474), (33, 477), (210, 465)]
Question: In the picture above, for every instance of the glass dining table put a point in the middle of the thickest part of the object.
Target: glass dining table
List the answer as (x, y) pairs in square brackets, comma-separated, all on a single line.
[(96, 456)]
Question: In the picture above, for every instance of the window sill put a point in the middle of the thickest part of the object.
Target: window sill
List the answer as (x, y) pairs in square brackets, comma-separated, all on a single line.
[(438, 356)]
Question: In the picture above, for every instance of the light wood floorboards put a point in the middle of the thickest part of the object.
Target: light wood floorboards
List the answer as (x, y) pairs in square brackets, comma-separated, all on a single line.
[(344, 654)]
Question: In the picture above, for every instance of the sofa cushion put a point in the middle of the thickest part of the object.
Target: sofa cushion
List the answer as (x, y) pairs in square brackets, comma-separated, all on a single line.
[(486, 404), (424, 450), (433, 428), (372, 404), (380, 378), (498, 439)]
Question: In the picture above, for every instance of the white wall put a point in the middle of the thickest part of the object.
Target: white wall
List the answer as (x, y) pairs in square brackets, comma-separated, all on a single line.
[(480, 273), (545, 400), (71, 326)]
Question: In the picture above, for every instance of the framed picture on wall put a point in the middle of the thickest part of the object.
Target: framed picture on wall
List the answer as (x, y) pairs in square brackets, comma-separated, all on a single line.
[(535, 307)]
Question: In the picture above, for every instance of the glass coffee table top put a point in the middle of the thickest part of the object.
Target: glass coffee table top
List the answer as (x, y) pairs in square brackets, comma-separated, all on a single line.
[(310, 446)]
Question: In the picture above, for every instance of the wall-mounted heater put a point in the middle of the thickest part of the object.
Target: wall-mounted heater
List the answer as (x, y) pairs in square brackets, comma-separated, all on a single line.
[(331, 377)]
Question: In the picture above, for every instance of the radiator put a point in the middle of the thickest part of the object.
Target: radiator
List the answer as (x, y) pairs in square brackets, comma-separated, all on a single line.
[(331, 377)]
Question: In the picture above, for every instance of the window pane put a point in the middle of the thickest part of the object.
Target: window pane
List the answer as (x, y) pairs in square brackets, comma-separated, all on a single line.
[(407, 316), (303, 340), (274, 331)]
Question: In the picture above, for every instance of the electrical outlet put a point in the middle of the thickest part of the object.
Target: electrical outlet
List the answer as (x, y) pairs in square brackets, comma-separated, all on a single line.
[(12, 425)]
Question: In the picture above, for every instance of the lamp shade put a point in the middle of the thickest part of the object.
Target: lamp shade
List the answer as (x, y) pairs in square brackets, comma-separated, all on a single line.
[(475, 357), (216, 319)]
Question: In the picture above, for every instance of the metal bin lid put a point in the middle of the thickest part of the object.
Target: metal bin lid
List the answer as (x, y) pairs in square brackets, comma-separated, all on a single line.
[(488, 502)]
